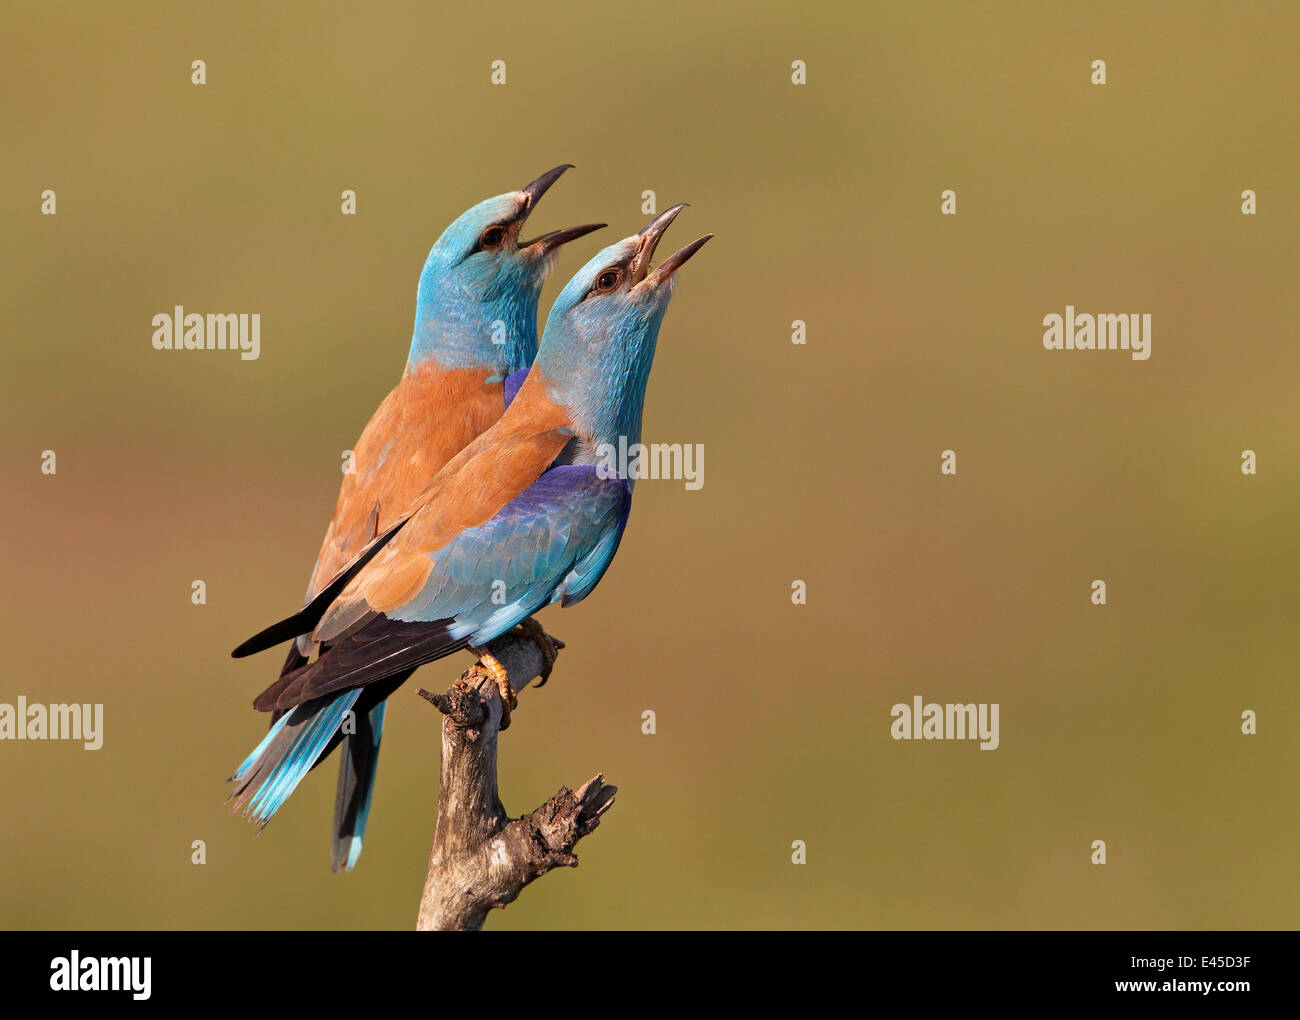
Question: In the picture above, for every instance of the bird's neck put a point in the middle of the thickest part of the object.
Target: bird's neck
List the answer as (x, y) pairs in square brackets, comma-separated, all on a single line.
[(604, 423), (496, 341)]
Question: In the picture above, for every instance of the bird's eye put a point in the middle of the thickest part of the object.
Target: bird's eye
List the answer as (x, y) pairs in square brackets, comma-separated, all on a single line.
[(607, 281), (491, 238)]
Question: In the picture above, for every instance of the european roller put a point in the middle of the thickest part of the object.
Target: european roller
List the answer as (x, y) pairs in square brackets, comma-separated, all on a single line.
[(475, 325), (527, 514)]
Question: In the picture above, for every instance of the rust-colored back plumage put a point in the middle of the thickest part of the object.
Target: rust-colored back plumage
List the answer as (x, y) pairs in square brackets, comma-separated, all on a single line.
[(472, 487), (406, 442)]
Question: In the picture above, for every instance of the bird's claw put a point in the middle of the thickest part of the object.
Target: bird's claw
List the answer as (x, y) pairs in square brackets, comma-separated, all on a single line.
[(547, 645), (498, 674)]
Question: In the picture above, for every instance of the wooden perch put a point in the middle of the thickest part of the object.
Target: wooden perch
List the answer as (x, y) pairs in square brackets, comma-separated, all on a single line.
[(481, 858)]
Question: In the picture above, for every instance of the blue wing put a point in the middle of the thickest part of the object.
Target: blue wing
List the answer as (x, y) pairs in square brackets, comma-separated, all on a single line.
[(553, 542)]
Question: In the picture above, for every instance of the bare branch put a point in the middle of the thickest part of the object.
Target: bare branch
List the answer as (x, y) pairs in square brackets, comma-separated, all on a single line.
[(480, 857)]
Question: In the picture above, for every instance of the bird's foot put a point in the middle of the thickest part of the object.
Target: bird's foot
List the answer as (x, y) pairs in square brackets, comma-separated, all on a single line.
[(547, 645), (498, 674)]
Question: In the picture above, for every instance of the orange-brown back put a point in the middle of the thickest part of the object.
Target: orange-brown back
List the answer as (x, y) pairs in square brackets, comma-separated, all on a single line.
[(429, 417), (470, 489)]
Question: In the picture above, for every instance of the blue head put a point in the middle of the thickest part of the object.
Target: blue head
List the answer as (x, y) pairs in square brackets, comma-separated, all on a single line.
[(476, 306), (601, 333)]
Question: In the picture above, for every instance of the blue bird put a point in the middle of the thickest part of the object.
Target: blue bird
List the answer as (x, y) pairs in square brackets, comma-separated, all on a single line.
[(528, 514), (475, 324)]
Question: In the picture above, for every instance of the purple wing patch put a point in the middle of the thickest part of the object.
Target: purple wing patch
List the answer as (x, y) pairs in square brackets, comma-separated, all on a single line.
[(513, 381)]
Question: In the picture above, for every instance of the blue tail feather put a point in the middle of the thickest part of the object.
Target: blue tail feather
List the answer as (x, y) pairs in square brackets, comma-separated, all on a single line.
[(287, 753), (242, 772)]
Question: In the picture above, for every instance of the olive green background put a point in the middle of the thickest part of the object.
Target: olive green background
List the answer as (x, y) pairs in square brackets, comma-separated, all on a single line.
[(822, 461)]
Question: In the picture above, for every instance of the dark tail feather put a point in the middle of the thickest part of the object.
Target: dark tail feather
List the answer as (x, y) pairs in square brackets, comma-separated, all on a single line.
[(378, 651), (304, 621), (357, 770), (357, 765), (293, 661)]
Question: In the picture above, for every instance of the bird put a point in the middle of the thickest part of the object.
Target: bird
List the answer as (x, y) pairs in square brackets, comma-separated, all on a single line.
[(475, 327), (528, 514)]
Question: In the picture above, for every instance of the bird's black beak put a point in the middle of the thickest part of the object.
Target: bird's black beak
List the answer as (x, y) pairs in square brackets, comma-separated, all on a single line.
[(650, 236), (533, 192), (549, 242), (665, 270)]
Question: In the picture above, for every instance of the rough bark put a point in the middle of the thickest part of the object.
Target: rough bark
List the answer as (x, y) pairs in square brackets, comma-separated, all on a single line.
[(481, 858)]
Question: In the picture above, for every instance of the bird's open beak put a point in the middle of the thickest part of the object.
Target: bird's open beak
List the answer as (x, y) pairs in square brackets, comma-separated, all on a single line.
[(650, 235), (549, 242), (665, 270), (532, 194)]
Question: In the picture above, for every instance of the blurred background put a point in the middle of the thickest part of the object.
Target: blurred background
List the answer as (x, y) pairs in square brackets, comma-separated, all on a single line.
[(1119, 723)]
